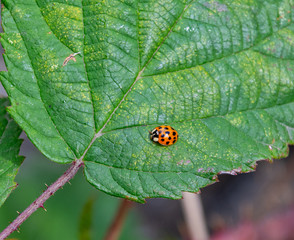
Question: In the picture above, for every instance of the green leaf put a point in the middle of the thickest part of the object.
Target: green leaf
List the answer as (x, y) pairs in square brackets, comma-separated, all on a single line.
[(9, 149), (88, 80), (86, 219)]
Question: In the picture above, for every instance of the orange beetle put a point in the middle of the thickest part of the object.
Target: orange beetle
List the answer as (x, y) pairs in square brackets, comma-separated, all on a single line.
[(164, 135)]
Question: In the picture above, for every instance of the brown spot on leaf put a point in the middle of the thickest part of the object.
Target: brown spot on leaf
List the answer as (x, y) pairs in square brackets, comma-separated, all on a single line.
[(70, 57)]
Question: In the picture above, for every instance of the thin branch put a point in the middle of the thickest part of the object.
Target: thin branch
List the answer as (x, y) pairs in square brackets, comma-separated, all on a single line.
[(194, 216), (39, 202), (116, 226)]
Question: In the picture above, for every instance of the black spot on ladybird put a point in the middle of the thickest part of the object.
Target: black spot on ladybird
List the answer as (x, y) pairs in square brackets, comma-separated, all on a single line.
[(165, 128), (160, 131), (174, 137), (169, 138), (162, 135), (174, 141), (167, 142), (174, 133), (162, 139), (167, 132), (160, 127)]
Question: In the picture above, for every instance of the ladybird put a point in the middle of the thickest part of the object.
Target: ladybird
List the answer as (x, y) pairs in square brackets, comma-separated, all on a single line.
[(164, 135)]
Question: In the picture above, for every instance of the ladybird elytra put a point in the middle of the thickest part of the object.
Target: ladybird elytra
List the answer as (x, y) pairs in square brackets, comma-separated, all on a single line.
[(164, 135)]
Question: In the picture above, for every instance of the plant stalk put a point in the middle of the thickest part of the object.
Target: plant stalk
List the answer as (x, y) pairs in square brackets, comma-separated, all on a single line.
[(39, 202), (194, 216), (116, 226)]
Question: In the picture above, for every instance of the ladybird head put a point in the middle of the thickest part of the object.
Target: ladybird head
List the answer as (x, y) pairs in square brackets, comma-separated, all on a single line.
[(164, 135), (154, 135)]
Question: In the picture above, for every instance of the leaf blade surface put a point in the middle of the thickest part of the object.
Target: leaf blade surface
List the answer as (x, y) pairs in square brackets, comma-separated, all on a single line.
[(9, 149)]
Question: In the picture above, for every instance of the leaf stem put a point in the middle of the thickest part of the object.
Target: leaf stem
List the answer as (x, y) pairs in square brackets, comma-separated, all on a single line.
[(115, 228), (39, 202)]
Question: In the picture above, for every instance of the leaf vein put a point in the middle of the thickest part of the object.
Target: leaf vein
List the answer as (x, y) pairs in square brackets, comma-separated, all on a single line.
[(29, 57), (85, 67)]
